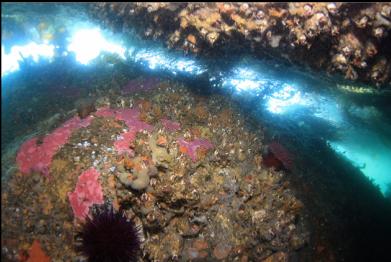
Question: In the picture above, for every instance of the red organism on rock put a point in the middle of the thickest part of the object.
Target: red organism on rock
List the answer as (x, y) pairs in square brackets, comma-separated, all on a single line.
[(190, 147), (138, 125), (171, 126), (278, 157), (36, 254), (88, 191), (131, 118), (38, 157), (127, 114), (122, 146), (31, 157)]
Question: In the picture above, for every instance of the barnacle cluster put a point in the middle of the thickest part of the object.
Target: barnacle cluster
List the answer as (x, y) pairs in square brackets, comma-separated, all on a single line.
[(348, 38)]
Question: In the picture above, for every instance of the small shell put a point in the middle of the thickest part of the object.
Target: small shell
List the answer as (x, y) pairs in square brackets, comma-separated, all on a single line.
[(212, 37), (378, 32), (260, 14), (308, 10), (332, 8), (386, 11), (363, 22)]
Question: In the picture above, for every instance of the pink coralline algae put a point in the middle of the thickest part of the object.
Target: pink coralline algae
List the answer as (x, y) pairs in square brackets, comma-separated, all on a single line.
[(137, 85), (122, 145), (171, 126), (38, 157), (129, 115), (88, 191), (131, 118), (190, 148)]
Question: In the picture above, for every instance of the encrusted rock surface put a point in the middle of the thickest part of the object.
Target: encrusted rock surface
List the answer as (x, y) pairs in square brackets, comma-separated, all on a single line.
[(349, 38), (218, 203)]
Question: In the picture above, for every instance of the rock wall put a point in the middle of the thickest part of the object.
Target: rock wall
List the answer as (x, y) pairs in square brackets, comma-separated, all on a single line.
[(351, 39)]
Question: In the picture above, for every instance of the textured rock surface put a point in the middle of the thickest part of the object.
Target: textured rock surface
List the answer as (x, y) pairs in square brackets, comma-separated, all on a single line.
[(347, 38)]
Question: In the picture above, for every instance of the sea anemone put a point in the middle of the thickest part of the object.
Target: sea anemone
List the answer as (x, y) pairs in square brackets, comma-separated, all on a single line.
[(108, 236)]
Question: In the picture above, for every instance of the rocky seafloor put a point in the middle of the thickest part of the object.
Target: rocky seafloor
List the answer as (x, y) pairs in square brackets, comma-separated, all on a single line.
[(348, 39), (187, 169)]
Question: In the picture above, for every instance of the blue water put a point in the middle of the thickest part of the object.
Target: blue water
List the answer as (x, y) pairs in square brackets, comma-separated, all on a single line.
[(305, 104)]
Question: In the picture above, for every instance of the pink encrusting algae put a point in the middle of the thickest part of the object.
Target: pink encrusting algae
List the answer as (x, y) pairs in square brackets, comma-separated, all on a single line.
[(129, 115), (88, 191), (171, 126), (33, 156), (122, 145), (131, 118), (38, 157), (192, 146)]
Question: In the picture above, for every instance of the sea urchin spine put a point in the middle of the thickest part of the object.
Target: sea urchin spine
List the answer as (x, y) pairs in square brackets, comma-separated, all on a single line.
[(109, 236)]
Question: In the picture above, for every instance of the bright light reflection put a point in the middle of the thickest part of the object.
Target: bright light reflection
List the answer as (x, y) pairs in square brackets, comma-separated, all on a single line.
[(245, 84), (246, 73), (245, 79), (156, 59), (11, 62), (89, 43), (280, 100)]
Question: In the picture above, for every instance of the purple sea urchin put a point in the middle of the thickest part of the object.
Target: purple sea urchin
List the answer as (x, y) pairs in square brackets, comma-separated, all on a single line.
[(109, 236)]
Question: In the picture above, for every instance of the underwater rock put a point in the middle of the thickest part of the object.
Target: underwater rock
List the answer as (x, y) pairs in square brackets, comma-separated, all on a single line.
[(227, 207), (304, 34), (49, 123), (140, 177), (160, 156), (190, 147), (140, 84), (103, 102), (85, 106), (169, 125), (161, 141), (105, 112), (221, 251), (88, 191), (277, 257)]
